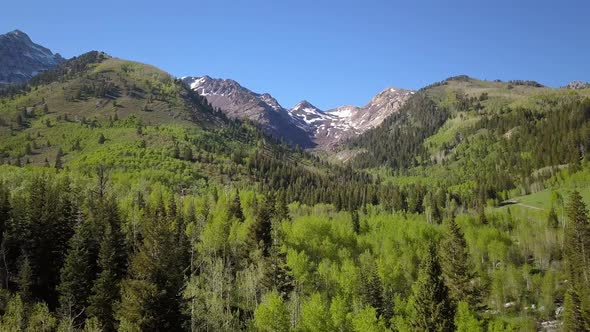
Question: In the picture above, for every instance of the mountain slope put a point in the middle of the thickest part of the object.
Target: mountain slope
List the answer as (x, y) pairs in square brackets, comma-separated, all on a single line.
[(148, 126), (21, 59), (304, 124), (238, 102)]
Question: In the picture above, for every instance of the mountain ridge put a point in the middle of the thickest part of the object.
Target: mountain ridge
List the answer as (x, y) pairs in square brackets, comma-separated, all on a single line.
[(21, 58), (323, 129)]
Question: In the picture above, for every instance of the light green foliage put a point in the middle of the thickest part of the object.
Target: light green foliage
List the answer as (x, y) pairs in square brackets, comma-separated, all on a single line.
[(366, 321), (271, 315), (14, 318), (314, 314), (465, 319)]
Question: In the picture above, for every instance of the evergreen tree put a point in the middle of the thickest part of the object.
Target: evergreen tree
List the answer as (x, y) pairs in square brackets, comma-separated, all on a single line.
[(24, 280), (263, 223), (433, 308), (577, 241), (151, 296), (573, 316), (282, 209), (187, 153), (552, 219), (456, 266), (370, 288), (235, 208), (101, 139), (577, 257), (356, 224), (111, 261), (58, 162), (76, 277)]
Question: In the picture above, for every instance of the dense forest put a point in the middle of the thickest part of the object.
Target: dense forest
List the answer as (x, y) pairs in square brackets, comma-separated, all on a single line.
[(127, 203)]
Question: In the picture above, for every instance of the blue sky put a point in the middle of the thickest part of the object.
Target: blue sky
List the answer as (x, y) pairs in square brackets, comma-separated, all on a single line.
[(328, 52)]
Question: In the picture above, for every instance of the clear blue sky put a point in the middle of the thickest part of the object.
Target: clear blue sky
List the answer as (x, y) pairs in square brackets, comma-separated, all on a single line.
[(328, 52)]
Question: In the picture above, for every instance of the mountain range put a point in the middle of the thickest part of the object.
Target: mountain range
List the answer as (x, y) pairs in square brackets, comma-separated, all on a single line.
[(171, 206), (304, 124)]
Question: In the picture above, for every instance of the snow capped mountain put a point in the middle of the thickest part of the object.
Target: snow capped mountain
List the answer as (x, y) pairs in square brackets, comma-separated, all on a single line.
[(304, 124), (237, 101), (21, 59), (334, 126)]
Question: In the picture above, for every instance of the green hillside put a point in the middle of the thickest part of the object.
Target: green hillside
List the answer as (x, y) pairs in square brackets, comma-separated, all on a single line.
[(128, 204)]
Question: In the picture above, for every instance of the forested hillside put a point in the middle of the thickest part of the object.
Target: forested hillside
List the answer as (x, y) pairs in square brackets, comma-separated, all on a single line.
[(127, 203)]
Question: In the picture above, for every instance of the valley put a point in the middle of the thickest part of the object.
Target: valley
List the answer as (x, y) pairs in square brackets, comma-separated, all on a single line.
[(134, 200)]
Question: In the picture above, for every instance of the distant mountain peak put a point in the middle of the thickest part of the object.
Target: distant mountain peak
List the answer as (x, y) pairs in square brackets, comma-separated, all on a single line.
[(304, 104), (18, 33), (21, 58), (326, 129), (577, 85)]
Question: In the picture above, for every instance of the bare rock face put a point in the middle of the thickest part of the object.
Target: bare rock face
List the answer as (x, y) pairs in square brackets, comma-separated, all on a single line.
[(238, 102), (21, 59), (577, 85), (304, 124)]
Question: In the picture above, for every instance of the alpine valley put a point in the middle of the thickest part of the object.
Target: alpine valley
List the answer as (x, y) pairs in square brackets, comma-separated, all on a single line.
[(133, 200)]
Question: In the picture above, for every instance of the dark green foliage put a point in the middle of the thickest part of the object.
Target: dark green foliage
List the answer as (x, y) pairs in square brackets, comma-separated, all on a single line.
[(573, 316), (356, 224), (577, 256), (76, 276), (40, 232), (101, 139), (24, 279), (552, 219), (433, 307), (187, 153), (235, 208), (112, 263), (397, 142), (58, 162), (264, 223), (151, 295), (577, 240), (456, 267), (371, 289)]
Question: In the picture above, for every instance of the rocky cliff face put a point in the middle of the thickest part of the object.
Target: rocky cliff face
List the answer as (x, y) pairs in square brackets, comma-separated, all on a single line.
[(21, 59), (304, 124), (577, 85), (238, 102)]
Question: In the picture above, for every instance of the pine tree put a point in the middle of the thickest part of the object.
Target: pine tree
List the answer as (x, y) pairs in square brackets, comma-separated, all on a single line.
[(577, 241), (76, 276), (282, 209), (58, 156), (552, 219), (235, 208), (370, 288), (573, 317), (455, 263), (433, 308), (187, 153), (577, 257), (263, 223), (24, 279), (112, 264), (356, 224), (151, 295)]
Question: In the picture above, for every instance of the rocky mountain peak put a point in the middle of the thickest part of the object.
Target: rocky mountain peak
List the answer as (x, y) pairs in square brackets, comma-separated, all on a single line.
[(577, 85), (304, 123), (21, 58), (304, 104)]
